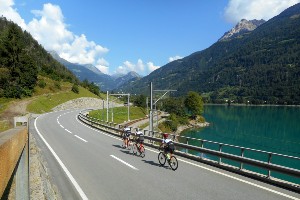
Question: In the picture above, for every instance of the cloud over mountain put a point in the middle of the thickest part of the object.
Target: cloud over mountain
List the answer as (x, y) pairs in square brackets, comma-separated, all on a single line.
[(255, 9)]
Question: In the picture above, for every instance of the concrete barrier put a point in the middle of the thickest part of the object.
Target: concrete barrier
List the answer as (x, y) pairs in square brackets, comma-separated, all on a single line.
[(23, 120), (12, 144)]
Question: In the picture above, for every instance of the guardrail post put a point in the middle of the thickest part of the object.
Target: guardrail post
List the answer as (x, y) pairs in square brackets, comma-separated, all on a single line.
[(269, 161), (242, 155), (202, 145), (187, 142), (220, 150)]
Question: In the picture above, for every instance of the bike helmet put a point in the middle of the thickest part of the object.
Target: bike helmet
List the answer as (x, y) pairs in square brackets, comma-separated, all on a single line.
[(165, 135)]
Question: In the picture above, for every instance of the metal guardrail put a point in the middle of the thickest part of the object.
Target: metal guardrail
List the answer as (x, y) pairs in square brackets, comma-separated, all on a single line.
[(241, 159)]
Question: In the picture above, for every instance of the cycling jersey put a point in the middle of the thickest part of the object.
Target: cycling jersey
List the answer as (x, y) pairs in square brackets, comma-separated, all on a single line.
[(166, 141), (126, 132), (139, 137), (169, 147)]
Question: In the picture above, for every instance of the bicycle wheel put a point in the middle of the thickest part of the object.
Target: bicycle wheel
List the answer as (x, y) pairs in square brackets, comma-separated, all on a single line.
[(142, 151), (130, 147), (123, 144), (134, 149), (173, 163), (161, 159)]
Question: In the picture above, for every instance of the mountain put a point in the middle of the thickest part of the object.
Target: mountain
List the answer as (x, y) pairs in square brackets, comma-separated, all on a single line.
[(89, 72), (260, 66), (92, 74), (244, 26), (125, 78)]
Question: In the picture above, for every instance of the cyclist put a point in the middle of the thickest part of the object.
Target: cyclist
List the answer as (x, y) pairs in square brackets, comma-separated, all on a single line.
[(168, 146), (139, 137), (125, 135)]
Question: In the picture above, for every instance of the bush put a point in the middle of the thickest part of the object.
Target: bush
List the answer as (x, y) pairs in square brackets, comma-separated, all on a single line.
[(75, 89), (57, 85), (42, 83)]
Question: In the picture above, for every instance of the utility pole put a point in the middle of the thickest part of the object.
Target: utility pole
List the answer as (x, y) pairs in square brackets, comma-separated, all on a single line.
[(151, 109), (151, 104), (128, 96), (107, 106)]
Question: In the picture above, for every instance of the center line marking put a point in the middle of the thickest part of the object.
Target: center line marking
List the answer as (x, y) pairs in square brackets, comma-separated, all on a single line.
[(122, 161), (80, 138), (68, 131)]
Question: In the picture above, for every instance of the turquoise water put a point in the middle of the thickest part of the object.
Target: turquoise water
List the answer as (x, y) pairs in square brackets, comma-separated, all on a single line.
[(269, 128)]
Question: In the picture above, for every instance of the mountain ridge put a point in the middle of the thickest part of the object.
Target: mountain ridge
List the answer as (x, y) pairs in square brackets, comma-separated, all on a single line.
[(261, 66), (93, 74), (242, 27)]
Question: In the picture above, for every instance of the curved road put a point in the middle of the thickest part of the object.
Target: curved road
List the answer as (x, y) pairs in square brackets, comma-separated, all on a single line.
[(88, 164)]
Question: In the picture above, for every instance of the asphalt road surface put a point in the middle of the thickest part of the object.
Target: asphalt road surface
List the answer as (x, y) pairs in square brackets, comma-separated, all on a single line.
[(88, 164)]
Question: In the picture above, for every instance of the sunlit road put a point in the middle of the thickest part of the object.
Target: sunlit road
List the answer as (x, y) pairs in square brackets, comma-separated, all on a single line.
[(88, 164)]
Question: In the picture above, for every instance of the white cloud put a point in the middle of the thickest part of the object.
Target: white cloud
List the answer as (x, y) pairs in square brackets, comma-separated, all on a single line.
[(128, 66), (152, 67), (174, 58), (139, 67), (102, 65), (255, 9), (49, 29), (7, 10)]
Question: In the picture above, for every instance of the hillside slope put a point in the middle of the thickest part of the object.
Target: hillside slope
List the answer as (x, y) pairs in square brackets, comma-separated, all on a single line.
[(260, 66), (22, 59)]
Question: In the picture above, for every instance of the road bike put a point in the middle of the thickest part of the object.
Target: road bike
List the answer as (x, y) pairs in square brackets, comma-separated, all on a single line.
[(137, 149), (162, 158)]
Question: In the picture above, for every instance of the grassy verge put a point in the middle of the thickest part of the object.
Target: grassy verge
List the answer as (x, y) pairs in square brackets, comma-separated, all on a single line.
[(4, 125), (120, 114), (4, 102), (47, 94)]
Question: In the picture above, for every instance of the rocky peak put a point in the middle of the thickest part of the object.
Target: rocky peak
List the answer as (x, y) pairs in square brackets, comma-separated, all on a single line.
[(242, 27)]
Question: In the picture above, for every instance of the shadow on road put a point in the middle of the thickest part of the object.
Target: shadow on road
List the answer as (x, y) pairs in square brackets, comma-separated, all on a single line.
[(118, 145), (151, 162)]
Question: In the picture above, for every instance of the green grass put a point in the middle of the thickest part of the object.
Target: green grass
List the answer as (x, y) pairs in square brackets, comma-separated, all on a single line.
[(120, 114), (4, 125), (46, 102), (4, 103), (45, 98)]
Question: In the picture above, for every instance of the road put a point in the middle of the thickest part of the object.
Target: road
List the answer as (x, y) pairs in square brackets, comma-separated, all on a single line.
[(88, 164)]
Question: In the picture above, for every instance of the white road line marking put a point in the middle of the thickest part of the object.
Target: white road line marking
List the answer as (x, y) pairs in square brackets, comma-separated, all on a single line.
[(74, 182), (241, 180), (229, 176), (68, 131), (235, 178), (80, 138), (62, 126), (122, 161)]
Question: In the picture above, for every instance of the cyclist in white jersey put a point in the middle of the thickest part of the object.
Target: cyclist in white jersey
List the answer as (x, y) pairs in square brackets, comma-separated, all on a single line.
[(168, 145)]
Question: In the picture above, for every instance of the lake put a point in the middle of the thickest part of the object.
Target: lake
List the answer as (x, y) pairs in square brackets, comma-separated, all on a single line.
[(269, 128)]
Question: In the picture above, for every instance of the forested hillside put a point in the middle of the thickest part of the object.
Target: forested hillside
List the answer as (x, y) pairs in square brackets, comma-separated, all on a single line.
[(262, 66), (22, 59)]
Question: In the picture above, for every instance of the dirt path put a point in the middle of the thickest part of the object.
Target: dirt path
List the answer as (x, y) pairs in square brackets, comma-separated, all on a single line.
[(15, 108)]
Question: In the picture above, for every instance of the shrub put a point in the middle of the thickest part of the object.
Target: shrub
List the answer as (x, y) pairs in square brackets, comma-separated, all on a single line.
[(57, 85), (75, 89), (42, 83)]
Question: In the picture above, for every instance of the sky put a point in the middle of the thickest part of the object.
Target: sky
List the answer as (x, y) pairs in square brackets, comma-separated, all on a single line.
[(118, 36)]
